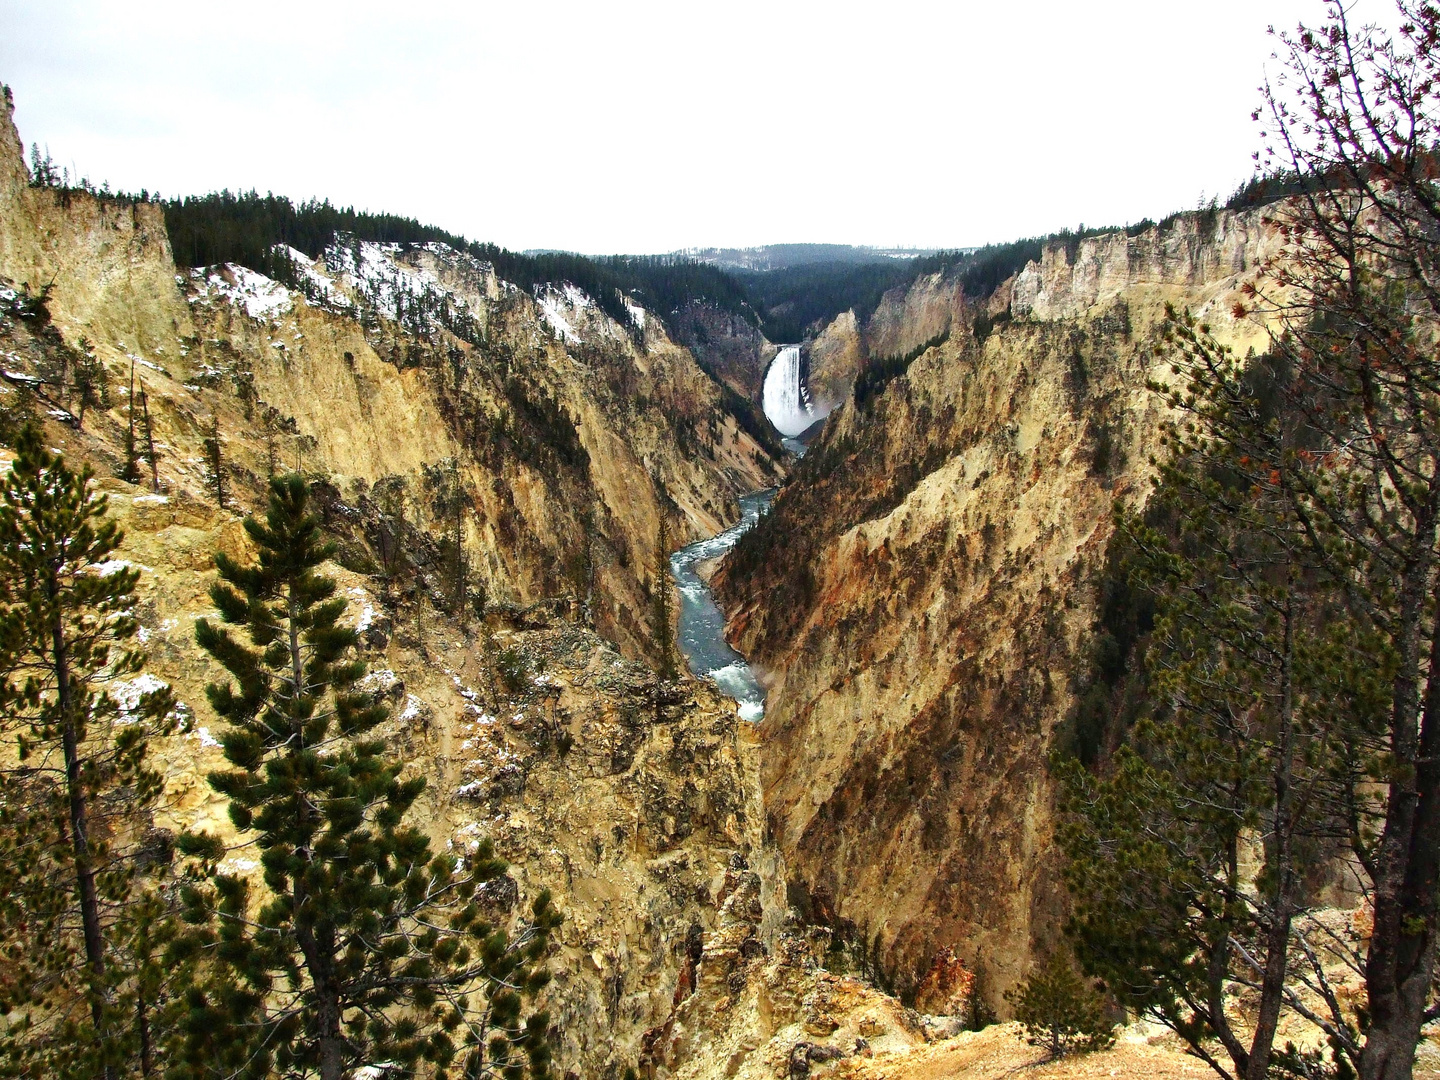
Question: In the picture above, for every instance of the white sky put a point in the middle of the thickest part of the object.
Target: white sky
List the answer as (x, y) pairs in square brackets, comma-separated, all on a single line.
[(620, 125)]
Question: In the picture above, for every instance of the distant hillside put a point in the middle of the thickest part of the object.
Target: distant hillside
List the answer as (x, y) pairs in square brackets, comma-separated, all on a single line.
[(786, 256)]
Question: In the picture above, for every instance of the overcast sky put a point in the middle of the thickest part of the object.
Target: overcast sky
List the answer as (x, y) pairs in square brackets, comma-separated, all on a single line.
[(605, 126)]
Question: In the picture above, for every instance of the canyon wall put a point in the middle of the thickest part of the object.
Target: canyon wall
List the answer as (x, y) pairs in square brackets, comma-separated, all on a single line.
[(835, 358), (404, 382), (725, 344), (922, 592)]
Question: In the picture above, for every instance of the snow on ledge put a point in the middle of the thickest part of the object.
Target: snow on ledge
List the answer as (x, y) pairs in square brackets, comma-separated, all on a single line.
[(559, 306), (260, 296)]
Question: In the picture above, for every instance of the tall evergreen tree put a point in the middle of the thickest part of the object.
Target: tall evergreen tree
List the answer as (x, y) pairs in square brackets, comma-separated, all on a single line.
[(75, 800), (1059, 1011), (447, 490), (88, 375), (1357, 284), (215, 463), (662, 626), (388, 494), (1250, 741), (132, 457), (364, 947), (148, 429)]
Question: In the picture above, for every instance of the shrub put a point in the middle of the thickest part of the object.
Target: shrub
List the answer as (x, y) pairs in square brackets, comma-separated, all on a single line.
[(514, 671), (1060, 1010)]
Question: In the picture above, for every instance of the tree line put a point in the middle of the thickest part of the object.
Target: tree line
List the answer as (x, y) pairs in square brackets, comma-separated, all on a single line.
[(245, 227)]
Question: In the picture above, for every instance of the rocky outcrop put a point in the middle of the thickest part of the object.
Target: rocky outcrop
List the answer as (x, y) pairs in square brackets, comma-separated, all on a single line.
[(105, 262), (727, 345), (1192, 253), (909, 316), (922, 593), (835, 358)]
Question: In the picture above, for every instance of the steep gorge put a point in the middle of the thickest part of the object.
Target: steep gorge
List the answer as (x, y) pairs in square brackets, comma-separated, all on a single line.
[(920, 597), (569, 434), (922, 593), (395, 377)]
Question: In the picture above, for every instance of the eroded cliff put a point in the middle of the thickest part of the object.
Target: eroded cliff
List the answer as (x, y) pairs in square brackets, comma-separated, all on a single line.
[(426, 399), (922, 592), (412, 371), (924, 613)]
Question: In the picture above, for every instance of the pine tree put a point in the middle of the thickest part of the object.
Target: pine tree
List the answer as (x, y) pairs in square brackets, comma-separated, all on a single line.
[(1355, 114), (132, 462), (389, 496), (148, 429), (271, 427), (75, 799), (89, 380), (661, 618), (365, 947), (1260, 686), (448, 492), (215, 463), (460, 587), (1060, 1011), (581, 568)]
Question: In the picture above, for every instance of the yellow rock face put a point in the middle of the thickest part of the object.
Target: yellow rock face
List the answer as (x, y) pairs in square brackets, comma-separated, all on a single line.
[(925, 611), (562, 442), (923, 625)]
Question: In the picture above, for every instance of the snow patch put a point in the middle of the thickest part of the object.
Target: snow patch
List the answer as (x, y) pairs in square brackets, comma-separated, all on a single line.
[(367, 610), (379, 682), (559, 306), (383, 282), (114, 566), (261, 297), (144, 363), (126, 693), (313, 282), (206, 739)]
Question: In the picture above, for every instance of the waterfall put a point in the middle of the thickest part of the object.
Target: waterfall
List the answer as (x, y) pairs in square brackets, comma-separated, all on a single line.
[(787, 401)]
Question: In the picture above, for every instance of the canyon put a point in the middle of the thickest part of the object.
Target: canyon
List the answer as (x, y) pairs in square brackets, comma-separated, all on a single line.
[(833, 876)]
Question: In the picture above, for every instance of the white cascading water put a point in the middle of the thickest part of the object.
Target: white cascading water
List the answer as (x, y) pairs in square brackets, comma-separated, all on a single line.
[(786, 400)]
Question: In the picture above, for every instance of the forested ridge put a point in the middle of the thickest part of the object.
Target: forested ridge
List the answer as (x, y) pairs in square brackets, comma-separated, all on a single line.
[(812, 285), (788, 303), (243, 228)]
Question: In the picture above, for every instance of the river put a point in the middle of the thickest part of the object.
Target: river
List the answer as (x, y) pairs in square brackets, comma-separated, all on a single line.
[(702, 624)]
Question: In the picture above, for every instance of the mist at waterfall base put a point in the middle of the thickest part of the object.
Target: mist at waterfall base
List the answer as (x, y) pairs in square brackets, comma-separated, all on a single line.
[(702, 624)]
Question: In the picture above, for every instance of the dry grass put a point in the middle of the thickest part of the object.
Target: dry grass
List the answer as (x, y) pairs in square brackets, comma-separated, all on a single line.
[(1000, 1053)]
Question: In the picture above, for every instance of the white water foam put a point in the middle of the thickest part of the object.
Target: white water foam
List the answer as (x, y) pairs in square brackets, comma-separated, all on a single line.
[(702, 625)]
